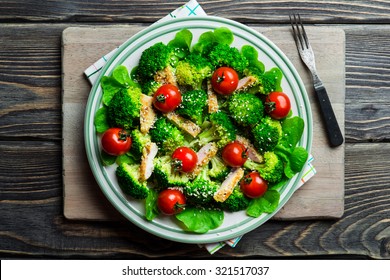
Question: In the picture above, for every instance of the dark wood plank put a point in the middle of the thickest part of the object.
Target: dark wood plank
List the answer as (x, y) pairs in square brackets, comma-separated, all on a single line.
[(367, 84), (30, 81), (32, 222), (331, 11)]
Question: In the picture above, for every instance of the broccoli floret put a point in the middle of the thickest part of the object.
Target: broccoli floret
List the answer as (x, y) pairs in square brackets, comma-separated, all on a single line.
[(271, 170), (150, 87), (245, 108), (139, 141), (154, 59), (218, 169), (128, 179), (265, 82), (201, 190), (224, 55), (193, 105), (167, 136), (124, 108), (237, 201), (221, 131), (165, 173), (266, 134), (193, 70)]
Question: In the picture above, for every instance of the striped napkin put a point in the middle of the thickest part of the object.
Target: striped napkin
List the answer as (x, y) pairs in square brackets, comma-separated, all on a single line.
[(192, 8)]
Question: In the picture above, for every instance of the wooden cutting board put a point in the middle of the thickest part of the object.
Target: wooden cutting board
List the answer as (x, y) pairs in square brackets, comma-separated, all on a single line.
[(321, 197)]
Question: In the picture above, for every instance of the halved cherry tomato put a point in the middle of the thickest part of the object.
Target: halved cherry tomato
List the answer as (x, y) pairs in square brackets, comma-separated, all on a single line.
[(171, 201), (224, 80), (234, 154), (116, 141), (167, 98), (184, 159), (253, 185), (277, 105)]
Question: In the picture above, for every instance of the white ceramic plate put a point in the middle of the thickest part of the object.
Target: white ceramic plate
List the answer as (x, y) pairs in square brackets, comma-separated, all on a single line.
[(235, 224)]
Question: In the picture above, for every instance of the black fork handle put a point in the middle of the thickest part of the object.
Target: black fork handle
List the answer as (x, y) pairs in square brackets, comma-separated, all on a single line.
[(333, 131)]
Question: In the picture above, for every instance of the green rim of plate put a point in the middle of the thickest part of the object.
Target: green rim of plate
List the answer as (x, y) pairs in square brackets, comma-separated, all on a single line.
[(109, 187)]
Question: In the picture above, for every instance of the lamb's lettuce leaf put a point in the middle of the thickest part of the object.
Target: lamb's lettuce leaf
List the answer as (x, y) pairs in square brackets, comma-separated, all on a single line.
[(265, 204), (200, 220), (294, 157), (151, 208), (100, 120)]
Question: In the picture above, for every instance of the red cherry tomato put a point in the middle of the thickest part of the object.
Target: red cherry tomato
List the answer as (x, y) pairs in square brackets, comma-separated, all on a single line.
[(167, 98), (171, 201), (184, 159), (116, 141), (253, 185), (224, 80), (234, 154), (277, 105)]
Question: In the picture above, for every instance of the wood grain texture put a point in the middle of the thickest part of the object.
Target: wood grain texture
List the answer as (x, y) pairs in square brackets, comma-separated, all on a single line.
[(30, 82), (359, 11)]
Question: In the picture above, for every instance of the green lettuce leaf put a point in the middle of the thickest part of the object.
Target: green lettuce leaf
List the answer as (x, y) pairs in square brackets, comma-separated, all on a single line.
[(151, 208), (200, 220), (223, 35), (182, 43), (121, 75), (100, 121), (265, 204)]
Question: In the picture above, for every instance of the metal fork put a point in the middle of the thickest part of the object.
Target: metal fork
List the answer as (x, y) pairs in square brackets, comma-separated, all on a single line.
[(307, 55)]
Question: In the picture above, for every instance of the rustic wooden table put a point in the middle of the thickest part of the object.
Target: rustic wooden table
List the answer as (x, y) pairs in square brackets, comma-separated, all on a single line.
[(32, 223)]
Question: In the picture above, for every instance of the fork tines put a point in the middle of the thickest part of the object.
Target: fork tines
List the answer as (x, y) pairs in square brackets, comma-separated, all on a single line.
[(299, 31)]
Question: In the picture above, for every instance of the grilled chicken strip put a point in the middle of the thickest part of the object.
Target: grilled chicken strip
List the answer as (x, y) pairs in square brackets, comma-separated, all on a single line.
[(184, 124), (212, 98), (147, 114), (229, 184), (148, 154), (253, 154)]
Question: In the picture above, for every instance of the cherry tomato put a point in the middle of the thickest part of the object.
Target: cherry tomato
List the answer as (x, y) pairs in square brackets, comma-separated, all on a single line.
[(116, 141), (171, 201), (184, 159), (167, 98), (253, 185), (277, 105), (224, 80), (234, 154)]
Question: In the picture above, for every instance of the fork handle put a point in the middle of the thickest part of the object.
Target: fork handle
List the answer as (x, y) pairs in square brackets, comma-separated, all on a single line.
[(333, 131)]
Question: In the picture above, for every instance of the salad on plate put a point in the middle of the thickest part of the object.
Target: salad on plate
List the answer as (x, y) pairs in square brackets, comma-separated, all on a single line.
[(199, 129)]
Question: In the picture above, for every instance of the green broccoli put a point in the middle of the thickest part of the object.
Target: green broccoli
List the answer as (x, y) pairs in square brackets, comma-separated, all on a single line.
[(193, 70), (218, 169), (150, 87), (224, 55), (237, 201), (124, 108), (139, 141), (271, 170), (193, 105), (201, 190), (166, 135), (221, 131), (128, 179), (265, 82), (266, 134), (155, 58), (165, 173), (245, 108)]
